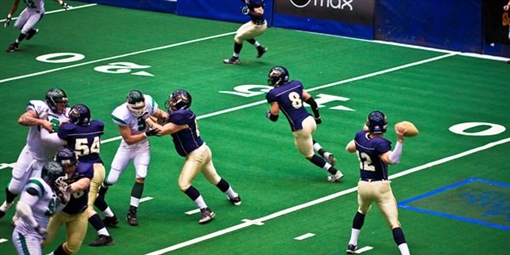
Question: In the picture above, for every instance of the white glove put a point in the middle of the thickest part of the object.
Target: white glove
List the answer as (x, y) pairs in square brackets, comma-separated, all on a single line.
[(7, 20), (62, 190), (65, 6)]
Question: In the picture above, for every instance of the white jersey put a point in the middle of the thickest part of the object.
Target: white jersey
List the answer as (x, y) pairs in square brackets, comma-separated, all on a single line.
[(43, 209), (38, 149), (123, 117), (35, 5)]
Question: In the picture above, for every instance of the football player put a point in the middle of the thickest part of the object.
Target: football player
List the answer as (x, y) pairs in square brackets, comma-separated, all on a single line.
[(36, 205), (75, 214), (83, 135), (182, 126), (249, 30), (27, 20), (130, 117), (374, 153), (47, 114), (288, 97)]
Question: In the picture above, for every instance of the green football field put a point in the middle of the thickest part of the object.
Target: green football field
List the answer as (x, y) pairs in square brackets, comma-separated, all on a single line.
[(453, 182)]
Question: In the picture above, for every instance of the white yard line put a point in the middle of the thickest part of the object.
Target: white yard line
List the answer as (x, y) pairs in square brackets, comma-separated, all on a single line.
[(5, 165), (257, 222)]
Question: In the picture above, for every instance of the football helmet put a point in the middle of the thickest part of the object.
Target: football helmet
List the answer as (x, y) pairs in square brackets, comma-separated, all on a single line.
[(179, 99), (54, 96), (136, 103), (277, 76), (256, 3), (79, 115), (377, 122), (66, 156), (51, 171)]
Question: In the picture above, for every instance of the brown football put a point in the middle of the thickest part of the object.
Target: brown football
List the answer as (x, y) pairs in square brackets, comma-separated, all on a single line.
[(411, 129)]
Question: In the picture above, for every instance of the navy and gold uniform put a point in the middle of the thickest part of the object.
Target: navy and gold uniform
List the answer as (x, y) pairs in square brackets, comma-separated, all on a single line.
[(84, 136), (75, 214), (289, 97), (182, 126), (249, 30), (374, 154)]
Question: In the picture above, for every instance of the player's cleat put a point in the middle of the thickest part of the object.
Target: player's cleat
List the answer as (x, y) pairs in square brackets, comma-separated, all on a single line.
[(111, 221), (131, 218), (232, 61), (207, 215), (335, 177), (261, 50), (103, 240), (330, 158), (235, 200), (31, 33), (351, 249), (12, 48)]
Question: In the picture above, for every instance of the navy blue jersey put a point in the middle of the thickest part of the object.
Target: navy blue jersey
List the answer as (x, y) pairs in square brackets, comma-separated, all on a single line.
[(188, 139), (79, 200), (257, 18), (84, 140), (369, 150), (290, 99)]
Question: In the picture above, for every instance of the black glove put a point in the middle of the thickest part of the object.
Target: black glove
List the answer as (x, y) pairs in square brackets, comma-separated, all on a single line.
[(318, 120), (245, 10), (151, 132), (7, 20), (42, 231), (65, 6)]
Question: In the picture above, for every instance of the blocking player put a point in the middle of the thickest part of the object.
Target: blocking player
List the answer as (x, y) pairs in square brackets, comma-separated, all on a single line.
[(130, 118), (27, 20), (374, 153), (288, 97), (37, 203), (249, 30), (182, 126), (75, 213), (39, 115), (83, 135)]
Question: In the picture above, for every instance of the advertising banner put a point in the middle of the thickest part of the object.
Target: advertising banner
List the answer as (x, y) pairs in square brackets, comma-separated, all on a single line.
[(347, 11), (496, 21)]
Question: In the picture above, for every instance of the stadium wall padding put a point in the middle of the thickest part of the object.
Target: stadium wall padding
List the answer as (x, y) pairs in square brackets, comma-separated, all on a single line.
[(475, 26)]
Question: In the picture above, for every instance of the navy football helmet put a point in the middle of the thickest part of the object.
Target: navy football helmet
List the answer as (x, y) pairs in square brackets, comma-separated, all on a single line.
[(377, 122), (79, 115), (179, 99), (66, 156), (277, 76), (51, 171), (136, 102), (255, 3), (53, 96)]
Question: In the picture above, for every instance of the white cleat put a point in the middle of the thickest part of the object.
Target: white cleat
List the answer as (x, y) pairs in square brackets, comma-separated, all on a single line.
[(335, 177)]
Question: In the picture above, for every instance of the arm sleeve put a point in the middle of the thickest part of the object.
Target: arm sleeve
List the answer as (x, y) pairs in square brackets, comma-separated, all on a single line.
[(396, 153), (24, 211), (314, 106), (51, 138)]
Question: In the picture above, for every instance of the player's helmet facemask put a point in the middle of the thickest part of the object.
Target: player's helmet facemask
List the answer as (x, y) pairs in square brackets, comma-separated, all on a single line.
[(178, 100), (136, 103)]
